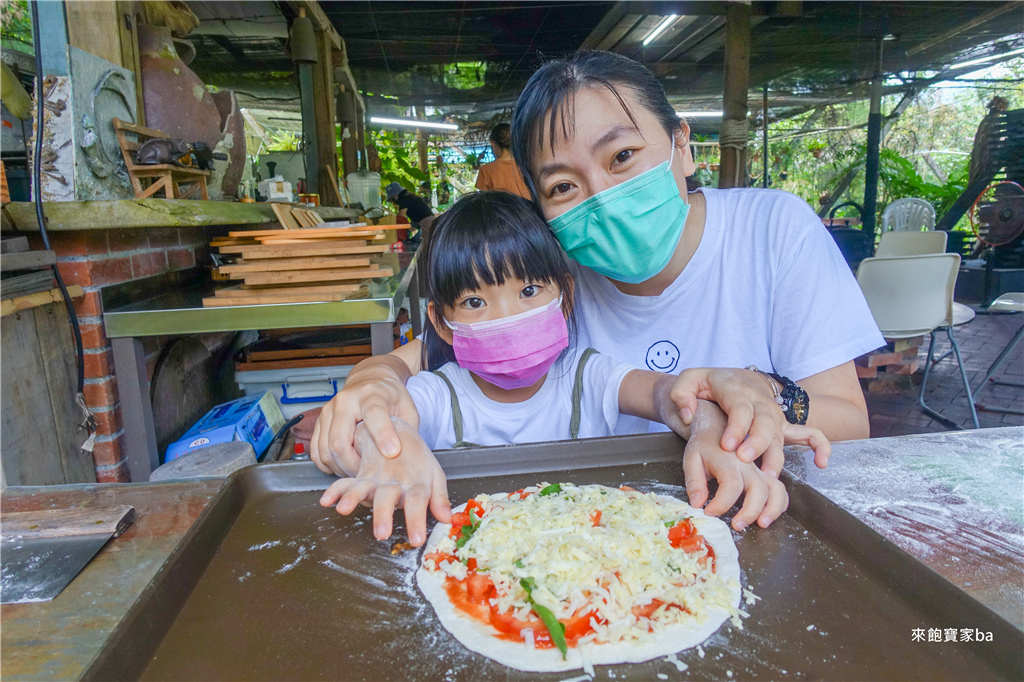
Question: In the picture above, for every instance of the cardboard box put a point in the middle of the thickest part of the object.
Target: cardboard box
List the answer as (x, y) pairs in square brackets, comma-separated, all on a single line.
[(253, 419)]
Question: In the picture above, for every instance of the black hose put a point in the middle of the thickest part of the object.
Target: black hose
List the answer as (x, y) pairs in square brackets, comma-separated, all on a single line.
[(283, 430), (37, 191)]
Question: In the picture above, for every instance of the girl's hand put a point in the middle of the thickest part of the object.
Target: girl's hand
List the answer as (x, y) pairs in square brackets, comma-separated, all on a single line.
[(812, 438), (756, 427), (412, 482), (765, 498), (370, 397)]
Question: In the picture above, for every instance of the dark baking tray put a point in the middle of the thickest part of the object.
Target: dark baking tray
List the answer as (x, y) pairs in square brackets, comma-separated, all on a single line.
[(329, 602)]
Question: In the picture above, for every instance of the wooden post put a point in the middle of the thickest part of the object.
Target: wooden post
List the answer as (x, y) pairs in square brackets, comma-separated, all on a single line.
[(733, 134), (348, 117), (874, 142), (53, 33), (421, 145), (361, 136), (310, 143), (326, 115), (764, 135), (128, 27), (94, 27)]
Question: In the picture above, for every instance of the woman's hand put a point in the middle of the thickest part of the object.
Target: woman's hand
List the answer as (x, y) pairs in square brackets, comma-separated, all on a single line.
[(756, 426), (370, 396), (411, 482)]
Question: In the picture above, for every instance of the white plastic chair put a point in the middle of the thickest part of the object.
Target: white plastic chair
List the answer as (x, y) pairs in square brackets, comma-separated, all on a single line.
[(911, 215), (910, 244), (911, 296), (1009, 303)]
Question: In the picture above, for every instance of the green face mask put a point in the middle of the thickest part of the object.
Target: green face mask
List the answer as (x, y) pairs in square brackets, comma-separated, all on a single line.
[(628, 232)]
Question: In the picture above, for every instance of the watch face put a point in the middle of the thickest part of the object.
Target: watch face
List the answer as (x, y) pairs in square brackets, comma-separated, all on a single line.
[(799, 410)]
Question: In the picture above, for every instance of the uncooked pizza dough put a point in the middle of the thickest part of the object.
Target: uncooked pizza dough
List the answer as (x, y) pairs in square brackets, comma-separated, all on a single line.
[(550, 529)]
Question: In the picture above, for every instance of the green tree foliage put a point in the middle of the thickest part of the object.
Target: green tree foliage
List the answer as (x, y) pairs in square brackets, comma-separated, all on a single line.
[(939, 126), (398, 156), (15, 26)]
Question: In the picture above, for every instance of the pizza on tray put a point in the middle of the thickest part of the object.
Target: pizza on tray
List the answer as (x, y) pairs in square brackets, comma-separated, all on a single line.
[(557, 576)]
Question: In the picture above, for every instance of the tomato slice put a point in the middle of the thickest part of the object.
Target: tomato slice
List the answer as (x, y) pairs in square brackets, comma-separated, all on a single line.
[(694, 544), (471, 564), (647, 610), (479, 587), (626, 488), (508, 623), (578, 626), (596, 517), (459, 519), (473, 505), (438, 557), (681, 531), (703, 561)]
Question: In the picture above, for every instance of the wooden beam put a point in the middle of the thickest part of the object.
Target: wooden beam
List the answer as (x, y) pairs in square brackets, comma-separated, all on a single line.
[(615, 35), (94, 28), (105, 215), (714, 42), (699, 30), (28, 260), (977, 21), (320, 20), (608, 22)]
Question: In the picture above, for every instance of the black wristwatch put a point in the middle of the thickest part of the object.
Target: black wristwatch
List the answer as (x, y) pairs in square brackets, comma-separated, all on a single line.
[(790, 397)]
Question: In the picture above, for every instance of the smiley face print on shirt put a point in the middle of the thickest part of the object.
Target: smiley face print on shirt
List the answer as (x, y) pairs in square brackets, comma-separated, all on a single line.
[(663, 356)]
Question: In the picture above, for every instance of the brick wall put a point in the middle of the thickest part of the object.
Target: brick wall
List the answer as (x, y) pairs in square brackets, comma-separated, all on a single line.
[(94, 259)]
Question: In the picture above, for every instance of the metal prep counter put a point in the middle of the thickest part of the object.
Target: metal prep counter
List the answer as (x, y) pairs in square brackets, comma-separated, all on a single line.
[(178, 309)]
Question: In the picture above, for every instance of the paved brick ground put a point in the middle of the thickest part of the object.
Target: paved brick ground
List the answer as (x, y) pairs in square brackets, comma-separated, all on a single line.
[(896, 414)]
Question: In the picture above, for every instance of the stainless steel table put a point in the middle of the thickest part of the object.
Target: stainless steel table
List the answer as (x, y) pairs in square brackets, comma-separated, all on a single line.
[(955, 500), (181, 311)]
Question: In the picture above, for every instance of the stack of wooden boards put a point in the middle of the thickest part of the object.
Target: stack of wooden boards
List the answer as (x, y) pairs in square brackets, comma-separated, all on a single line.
[(298, 266), (16, 258), (26, 279), (292, 218)]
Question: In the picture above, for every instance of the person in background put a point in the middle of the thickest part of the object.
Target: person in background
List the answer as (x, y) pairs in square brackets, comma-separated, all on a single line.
[(413, 207), (502, 173)]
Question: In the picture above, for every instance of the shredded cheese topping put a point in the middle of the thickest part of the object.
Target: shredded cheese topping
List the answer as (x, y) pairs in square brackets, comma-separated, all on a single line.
[(624, 560)]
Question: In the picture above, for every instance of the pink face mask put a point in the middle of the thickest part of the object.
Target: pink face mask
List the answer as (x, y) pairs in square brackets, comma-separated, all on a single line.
[(512, 352)]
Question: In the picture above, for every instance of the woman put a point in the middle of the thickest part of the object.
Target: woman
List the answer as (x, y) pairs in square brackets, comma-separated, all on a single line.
[(666, 279), (502, 173)]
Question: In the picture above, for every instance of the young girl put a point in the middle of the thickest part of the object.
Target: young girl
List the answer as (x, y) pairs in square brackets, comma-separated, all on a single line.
[(500, 303)]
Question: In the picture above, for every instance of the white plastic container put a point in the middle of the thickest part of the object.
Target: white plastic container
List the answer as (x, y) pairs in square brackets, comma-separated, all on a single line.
[(296, 390), (364, 187)]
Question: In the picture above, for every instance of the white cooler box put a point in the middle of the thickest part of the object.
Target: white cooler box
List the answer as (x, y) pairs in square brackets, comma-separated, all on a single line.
[(296, 390)]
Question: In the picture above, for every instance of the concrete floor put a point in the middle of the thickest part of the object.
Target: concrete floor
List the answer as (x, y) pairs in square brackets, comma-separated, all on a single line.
[(980, 341)]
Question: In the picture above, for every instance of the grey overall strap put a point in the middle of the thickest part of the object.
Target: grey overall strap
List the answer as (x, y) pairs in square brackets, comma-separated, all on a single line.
[(577, 394), (456, 413)]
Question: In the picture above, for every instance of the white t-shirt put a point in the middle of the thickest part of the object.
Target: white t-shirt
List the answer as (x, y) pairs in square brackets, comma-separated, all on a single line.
[(544, 417), (767, 286)]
